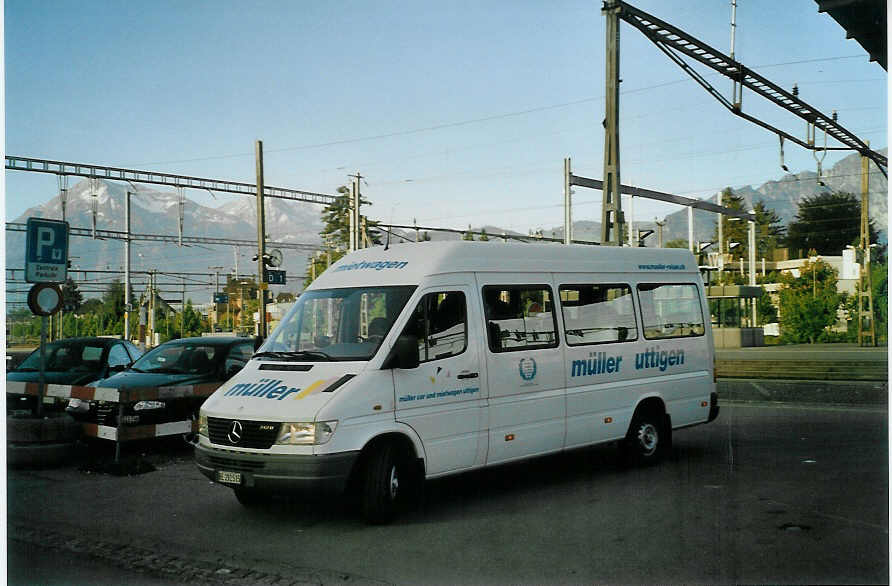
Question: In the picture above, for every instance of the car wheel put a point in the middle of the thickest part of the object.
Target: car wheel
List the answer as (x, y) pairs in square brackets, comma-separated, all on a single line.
[(40, 443), (384, 482), (647, 438)]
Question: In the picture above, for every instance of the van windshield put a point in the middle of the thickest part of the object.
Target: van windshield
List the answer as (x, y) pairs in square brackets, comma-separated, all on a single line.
[(336, 324)]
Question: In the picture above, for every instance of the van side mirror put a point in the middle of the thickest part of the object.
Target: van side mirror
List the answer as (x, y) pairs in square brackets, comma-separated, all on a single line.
[(404, 353), (258, 342)]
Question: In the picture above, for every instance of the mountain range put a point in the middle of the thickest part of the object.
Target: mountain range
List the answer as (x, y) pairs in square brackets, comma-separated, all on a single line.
[(157, 212)]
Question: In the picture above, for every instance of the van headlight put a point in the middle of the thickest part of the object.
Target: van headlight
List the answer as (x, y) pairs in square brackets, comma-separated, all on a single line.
[(302, 433), (203, 424)]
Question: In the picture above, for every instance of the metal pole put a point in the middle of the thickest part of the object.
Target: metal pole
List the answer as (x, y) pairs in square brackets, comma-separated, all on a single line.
[(690, 228), (151, 309), (41, 391), (568, 216), (611, 207), (183, 312), (261, 244), (127, 266), (721, 226), (752, 260), (216, 319), (733, 31), (633, 241)]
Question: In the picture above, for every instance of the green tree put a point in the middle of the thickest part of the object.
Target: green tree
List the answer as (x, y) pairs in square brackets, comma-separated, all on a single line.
[(770, 230), (827, 222), (91, 306), (733, 229), (468, 235), (191, 323), (483, 236), (808, 303), (112, 313), (676, 243), (766, 312), (336, 233), (72, 299)]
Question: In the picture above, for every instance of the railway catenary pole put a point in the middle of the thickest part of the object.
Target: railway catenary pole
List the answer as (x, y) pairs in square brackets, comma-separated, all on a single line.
[(261, 244), (127, 266), (611, 207)]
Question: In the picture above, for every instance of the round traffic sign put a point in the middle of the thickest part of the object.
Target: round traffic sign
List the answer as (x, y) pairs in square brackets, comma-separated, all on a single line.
[(45, 298)]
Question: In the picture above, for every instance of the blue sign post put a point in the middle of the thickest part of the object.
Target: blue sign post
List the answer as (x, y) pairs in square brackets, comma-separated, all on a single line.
[(46, 261), (46, 251)]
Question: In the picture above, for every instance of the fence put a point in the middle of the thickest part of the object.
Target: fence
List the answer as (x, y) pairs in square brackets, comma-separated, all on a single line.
[(122, 431)]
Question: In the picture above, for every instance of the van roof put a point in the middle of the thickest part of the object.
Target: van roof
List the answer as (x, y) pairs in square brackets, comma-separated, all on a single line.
[(408, 263)]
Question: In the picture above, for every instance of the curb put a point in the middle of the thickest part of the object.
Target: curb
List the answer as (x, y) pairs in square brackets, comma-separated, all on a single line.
[(875, 393), (171, 567)]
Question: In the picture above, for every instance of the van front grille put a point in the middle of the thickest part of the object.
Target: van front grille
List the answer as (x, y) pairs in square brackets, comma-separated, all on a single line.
[(243, 433)]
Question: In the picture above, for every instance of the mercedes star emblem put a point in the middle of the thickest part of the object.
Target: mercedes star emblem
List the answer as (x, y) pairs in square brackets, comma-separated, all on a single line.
[(235, 433)]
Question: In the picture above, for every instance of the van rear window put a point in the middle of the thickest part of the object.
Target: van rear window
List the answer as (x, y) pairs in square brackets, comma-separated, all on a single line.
[(670, 311), (598, 314)]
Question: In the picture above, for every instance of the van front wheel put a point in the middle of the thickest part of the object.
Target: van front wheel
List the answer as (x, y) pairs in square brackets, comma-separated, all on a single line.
[(382, 488)]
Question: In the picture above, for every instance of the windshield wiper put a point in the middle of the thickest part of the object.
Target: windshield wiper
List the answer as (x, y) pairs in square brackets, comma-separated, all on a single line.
[(302, 354)]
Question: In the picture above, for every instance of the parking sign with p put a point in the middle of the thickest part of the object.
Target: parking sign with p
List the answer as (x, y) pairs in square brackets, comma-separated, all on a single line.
[(46, 251)]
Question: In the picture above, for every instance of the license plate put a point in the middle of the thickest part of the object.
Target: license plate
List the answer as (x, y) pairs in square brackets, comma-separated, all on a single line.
[(229, 477)]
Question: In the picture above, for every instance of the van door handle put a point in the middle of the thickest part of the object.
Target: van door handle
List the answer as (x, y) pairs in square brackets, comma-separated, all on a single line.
[(469, 375)]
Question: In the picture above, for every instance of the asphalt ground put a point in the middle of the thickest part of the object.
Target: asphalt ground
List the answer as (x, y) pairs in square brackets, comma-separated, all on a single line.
[(768, 493)]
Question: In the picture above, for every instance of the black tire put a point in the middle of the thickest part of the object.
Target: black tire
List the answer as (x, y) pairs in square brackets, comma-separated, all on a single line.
[(39, 455), (249, 497), (647, 439), (383, 483), (41, 443)]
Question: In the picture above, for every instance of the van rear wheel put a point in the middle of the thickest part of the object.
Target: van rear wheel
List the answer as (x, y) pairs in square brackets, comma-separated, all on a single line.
[(384, 477)]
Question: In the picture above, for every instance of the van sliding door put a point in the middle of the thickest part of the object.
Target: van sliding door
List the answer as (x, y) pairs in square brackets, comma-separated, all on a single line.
[(524, 367)]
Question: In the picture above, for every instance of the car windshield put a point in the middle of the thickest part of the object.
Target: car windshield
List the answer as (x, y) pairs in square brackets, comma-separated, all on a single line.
[(67, 356), (336, 324), (179, 358)]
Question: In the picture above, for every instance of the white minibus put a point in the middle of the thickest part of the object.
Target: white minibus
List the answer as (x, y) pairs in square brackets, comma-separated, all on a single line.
[(416, 361)]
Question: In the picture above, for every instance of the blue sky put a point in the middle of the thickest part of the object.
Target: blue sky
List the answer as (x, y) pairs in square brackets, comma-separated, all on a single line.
[(457, 113)]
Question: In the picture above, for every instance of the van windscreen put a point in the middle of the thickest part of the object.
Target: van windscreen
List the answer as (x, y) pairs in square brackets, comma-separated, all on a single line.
[(338, 324)]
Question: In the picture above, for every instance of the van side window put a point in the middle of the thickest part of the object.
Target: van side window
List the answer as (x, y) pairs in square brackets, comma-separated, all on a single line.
[(440, 321), (519, 317), (670, 311), (597, 314)]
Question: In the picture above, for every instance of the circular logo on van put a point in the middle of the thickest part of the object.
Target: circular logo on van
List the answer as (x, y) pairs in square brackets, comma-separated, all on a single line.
[(527, 368), (235, 433)]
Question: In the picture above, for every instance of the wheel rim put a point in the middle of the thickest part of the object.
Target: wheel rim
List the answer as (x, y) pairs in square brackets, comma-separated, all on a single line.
[(648, 438), (394, 483)]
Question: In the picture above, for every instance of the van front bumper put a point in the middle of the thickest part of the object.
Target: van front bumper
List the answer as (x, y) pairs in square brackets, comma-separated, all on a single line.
[(324, 474)]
